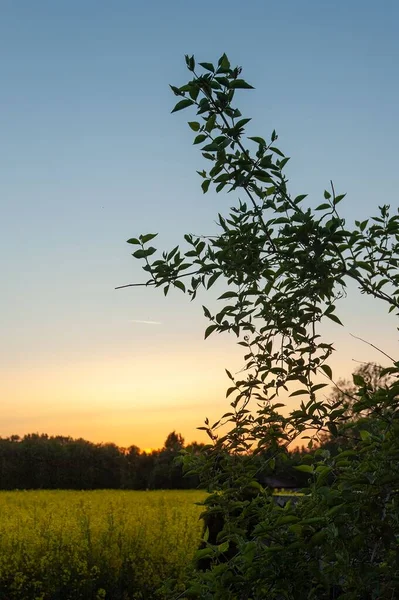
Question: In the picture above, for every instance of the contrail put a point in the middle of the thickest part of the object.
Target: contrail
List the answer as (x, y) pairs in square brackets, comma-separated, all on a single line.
[(145, 322)]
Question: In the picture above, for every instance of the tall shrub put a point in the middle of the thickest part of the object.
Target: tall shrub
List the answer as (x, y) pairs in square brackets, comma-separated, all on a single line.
[(285, 266)]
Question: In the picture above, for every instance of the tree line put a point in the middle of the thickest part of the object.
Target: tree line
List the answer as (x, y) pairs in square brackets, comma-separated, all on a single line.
[(40, 461)]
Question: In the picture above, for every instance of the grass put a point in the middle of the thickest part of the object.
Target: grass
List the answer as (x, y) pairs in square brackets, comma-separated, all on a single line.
[(116, 545)]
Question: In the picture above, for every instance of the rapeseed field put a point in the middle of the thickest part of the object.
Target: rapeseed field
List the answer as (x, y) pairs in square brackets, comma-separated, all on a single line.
[(96, 545)]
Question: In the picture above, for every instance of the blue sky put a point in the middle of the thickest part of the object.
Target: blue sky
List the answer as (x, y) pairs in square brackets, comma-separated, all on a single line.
[(91, 156)]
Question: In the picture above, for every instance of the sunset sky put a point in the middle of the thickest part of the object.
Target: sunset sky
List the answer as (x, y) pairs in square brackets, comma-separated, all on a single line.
[(90, 156)]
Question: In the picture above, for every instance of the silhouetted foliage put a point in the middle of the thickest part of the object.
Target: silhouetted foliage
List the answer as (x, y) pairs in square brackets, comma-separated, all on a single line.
[(39, 461), (285, 265), (355, 418), (218, 521)]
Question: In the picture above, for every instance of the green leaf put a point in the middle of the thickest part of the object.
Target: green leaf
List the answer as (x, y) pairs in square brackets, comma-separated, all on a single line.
[(200, 138), (175, 90), (223, 63), (204, 552), (207, 66), (140, 253), (333, 318), (241, 123), (299, 393), (194, 91), (194, 125), (229, 375), (209, 330), (227, 295), (210, 147), (150, 251), (304, 468), (190, 62), (346, 453), (327, 195), (172, 253), (179, 284), (206, 535), (262, 177), (335, 509), (256, 485), (327, 370), (240, 84), (149, 236), (318, 386), (205, 185), (277, 151), (318, 537), (323, 206), (332, 429), (212, 280), (133, 241), (339, 198), (365, 435), (182, 104), (358, 380), (258, 140), (224, 547), (313, 520), (210, 123), (224, 81), (281, 164), (364, 265), (206, 312), (285, 519)]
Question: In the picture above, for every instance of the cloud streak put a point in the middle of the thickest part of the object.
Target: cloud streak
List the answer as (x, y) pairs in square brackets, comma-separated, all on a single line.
[(145, 322)]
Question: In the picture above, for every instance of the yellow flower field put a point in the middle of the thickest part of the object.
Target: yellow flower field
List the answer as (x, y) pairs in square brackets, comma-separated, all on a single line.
[(117, 545)]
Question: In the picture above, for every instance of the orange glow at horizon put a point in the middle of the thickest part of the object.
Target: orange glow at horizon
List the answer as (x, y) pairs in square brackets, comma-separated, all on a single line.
[(128, 401), (132, 399)]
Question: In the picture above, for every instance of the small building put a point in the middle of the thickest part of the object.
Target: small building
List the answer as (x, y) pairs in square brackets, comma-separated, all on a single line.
[(281, 483)]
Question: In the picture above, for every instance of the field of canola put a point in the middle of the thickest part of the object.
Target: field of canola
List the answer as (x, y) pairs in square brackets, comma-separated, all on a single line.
[(112, 545)]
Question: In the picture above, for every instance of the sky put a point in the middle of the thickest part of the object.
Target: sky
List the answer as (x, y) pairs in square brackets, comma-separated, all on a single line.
[(91, 156)]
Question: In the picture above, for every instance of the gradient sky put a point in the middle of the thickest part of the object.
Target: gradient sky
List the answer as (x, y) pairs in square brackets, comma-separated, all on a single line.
[(90, 156)]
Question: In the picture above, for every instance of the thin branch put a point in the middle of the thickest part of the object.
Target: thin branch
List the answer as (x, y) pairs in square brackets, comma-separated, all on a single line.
[(135, 285), (372, 345), (152, 282), (335, 384)]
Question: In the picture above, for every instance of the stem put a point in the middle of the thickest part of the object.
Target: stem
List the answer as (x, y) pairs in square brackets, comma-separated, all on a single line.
[(372, 345)]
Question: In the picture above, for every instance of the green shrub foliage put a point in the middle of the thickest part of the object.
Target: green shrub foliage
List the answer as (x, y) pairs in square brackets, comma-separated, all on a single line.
[(285, 266)]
